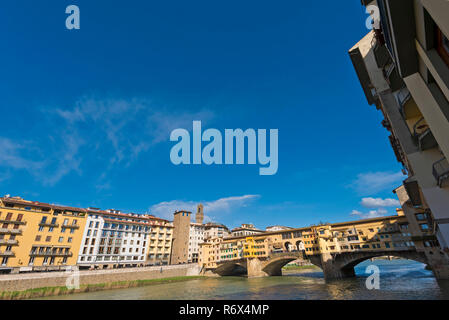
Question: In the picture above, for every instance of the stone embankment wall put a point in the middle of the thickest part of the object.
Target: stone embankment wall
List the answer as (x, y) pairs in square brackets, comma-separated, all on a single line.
[(21, 282)]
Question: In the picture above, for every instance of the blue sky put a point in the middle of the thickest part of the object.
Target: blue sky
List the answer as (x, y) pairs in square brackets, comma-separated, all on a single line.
[(87, 114)]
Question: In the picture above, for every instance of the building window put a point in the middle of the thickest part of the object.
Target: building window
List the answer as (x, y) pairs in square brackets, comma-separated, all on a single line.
[(38, 238), (421, 216), (4, 261), (48, 239), (61, 239), (442, 46)]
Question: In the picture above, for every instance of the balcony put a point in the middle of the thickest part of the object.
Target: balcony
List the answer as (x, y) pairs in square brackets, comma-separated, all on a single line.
[(441, 172), (71, 226), (51, 254), (382, 56), (393, 78), (408, 109), (413, 192), (9, 242), (10, 231), (396, 148), (422, 136), (13, 222), (7, 254), (48, 224)]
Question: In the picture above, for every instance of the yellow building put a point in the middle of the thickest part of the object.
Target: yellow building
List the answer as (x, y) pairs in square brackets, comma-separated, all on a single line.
[(209, 252), (37, 236), (160, 241)]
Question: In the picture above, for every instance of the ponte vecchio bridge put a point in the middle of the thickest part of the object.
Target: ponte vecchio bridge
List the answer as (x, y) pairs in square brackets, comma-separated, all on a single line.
[(335, 248)]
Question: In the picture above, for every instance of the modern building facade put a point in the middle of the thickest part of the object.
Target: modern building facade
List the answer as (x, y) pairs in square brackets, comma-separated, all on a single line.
[(114, 239), (403, 67), (37, 236)]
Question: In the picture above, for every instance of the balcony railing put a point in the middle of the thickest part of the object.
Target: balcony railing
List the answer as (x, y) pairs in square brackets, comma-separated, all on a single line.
[(9, 242), (70, 226), (407, 104), (48, 224), (13, 222), (10, 231), (7, 254), (441, 172), (51, 254), (422, 136)]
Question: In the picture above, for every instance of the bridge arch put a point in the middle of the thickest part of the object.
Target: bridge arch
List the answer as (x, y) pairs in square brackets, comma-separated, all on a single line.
[(343, 264), (231, 268), (300, 245), (273, 266), (288, 246)]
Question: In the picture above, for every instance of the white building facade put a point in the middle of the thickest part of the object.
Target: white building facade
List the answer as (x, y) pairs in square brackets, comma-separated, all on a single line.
[(114, 239)]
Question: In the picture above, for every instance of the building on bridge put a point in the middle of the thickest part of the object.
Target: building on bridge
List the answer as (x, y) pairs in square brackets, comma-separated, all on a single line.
[(276, 228), (246, 229), (336, 248), (403, 68)]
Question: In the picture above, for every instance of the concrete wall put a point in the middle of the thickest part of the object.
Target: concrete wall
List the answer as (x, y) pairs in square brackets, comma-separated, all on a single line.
[(22, 282)]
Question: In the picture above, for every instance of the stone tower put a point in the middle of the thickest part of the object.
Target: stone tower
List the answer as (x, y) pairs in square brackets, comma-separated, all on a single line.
[(181, 233), (199, 214)]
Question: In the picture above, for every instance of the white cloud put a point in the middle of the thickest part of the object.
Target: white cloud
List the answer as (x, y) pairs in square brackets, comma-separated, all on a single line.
[(370, 214), (379, 202), (374, 182), (14, 155), (109, 131), (219, 206)]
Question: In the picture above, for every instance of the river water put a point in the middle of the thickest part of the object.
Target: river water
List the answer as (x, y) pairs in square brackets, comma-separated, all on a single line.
[(399, 279)]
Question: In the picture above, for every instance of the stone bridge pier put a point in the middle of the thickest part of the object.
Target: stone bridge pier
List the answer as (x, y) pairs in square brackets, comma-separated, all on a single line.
[(271, 266)]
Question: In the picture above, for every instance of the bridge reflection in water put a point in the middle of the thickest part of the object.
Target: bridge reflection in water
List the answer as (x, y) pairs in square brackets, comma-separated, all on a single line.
[(335, 248)]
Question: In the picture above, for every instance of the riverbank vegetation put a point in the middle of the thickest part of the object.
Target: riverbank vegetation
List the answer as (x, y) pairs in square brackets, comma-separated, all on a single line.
[(304, 267), (59, 291)]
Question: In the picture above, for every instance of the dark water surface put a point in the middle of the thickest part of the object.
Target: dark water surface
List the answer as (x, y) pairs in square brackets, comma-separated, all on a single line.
[(399, 279)]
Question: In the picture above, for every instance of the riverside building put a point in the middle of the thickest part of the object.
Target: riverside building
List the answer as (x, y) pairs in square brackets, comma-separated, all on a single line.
[(36, 236), (188, 235), (160, 241), (114, 239), (403, 67)]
